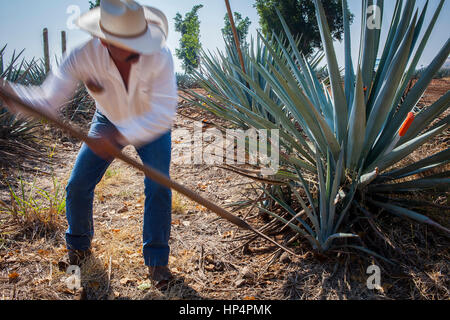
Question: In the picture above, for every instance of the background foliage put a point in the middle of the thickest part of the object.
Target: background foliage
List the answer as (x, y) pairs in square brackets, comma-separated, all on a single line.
[(190, 45), (242, 26), (301, 20)]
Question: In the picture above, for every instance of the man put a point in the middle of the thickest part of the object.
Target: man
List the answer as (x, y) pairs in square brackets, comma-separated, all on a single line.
[(129, 71)]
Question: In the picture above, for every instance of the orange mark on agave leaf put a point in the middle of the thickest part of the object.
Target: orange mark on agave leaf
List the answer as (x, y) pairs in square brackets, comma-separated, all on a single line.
[(405, 126)]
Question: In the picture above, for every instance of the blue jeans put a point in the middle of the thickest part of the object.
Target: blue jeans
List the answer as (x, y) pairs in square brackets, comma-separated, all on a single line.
[(88, 172)]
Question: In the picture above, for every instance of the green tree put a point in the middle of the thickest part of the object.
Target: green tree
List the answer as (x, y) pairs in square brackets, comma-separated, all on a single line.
[(242, 26), (300, 16), (94, 4), (190, 45)]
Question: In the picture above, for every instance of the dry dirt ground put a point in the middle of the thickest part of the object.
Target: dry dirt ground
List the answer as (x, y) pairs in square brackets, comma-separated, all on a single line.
[(210, 257)]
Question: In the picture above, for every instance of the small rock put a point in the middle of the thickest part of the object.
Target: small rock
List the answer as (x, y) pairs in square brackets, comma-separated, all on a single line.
[(80, 294), (123, 210), (144, 286), (210, 267), (111, 296), (285, 258), (125, 281), (247, 273), (239, 282)]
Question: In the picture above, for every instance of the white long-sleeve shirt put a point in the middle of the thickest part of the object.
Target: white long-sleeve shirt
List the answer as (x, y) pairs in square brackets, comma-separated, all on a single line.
[(141, 114)]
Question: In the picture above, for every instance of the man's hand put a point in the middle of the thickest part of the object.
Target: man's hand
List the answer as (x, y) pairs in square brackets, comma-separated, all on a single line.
[(108, 145)]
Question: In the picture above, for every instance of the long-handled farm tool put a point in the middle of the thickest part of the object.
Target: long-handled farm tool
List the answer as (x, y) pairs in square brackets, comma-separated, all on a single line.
[(148, 171)]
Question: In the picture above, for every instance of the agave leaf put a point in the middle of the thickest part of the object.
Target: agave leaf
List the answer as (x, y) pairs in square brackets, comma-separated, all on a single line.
[(309, 81), (404, 150), (427, 116), (370, 252), (340, 103), (326, 105), (414, 185), (334, 190), (257, 121), (308, 211), (269, 105), (302, 107), (349, 71), (302, 80), (229, 114), (403, 212), (357, 125), (411, 100), (369, 53), (347, 204), (310, 238), (302, 164), (445, 174), (335, 236), (413, 65), (323, 199), (308, 194), (291, 211), (441, 158), (419, 27), (400, 34), (421, 85), (383, 103), (328, 179), (384, 62), (282, 174), (287, 90), (7, 74)]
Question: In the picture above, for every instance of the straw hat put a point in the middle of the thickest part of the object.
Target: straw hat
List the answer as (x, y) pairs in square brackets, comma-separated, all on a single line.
[(127, 24)]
